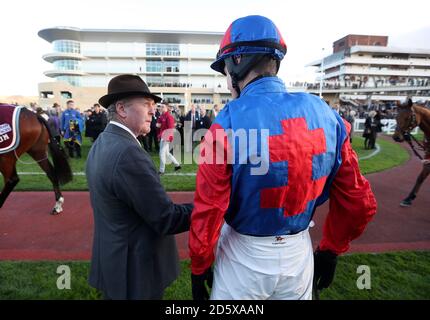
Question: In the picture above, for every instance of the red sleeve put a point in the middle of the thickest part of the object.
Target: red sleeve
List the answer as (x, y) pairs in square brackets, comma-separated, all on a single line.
[(211, 200), (170, 122), (352, 204), (170, 127), (159, 130)]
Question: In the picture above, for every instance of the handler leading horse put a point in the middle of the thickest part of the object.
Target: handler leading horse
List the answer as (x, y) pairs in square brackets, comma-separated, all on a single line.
[(410, 116), (35, 138)]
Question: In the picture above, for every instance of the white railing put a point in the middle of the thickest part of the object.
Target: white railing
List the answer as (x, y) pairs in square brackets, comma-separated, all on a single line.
[(389, 128)]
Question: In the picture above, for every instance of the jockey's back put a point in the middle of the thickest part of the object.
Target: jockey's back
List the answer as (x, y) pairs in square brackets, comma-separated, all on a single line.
[(293, 143)]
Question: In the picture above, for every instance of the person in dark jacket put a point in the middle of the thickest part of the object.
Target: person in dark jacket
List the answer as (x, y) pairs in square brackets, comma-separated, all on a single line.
[(152, 136), (371, 127), (98, 120), (204, 122), (54, 121), (191, 121), (134, 252), (88, 124)]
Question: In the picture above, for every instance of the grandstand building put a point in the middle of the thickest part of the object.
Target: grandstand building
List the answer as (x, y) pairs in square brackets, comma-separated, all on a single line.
[(364, 68), (175, 65)]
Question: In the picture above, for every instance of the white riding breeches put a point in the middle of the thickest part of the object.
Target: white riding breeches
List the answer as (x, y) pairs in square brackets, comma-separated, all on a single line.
[(260, 268)]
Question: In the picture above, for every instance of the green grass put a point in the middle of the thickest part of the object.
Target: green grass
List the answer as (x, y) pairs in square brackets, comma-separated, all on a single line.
[(391, 155), (358, 146), (403, 275), (79, 183), (393, 276), (419, 136)]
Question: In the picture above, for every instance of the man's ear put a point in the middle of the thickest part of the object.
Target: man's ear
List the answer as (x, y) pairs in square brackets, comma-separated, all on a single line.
[(120, 109)]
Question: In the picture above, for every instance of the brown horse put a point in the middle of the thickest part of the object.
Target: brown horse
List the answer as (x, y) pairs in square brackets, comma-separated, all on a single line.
[(410, 116), (35, 139)]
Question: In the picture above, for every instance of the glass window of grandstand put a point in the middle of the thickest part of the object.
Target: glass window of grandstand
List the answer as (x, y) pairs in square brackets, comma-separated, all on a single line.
[(66, 94), (162, 66), (168, 81), (68, 46), (172, 81), (162, 49), (67, 64), (154, 81), (206, 99), (73, 80), (154, 66), (225, 99), (47, 94), (174, 98), (171, 66)]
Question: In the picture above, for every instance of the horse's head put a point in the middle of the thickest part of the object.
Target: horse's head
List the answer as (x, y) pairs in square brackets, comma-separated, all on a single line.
[(405, 121)]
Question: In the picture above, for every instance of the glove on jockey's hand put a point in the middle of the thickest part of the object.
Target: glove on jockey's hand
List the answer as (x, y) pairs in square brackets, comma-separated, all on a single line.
[(324, 268), (198, 284)]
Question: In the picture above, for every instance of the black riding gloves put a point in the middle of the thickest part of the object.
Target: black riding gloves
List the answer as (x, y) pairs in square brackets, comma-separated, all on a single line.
[(324, 268), (199, 289)]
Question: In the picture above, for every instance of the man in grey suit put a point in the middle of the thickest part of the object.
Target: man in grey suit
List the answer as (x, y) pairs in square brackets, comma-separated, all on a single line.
[(134, 251)]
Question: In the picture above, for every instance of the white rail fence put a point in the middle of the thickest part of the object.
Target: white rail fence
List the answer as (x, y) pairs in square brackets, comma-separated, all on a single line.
[(389, 128)]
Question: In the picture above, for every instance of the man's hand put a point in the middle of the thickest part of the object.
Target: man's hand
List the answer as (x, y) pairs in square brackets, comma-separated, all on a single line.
[(324, 268), (199, 289)]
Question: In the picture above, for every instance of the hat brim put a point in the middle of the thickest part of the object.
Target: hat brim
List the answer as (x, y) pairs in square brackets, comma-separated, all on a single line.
[(108, 99)]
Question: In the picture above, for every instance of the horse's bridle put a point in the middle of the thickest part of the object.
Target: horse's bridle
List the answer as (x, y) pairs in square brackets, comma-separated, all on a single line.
[(412, 122), (408, 136)]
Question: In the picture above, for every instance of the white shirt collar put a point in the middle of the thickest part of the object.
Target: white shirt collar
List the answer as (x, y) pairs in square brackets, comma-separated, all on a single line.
[(125, 128)]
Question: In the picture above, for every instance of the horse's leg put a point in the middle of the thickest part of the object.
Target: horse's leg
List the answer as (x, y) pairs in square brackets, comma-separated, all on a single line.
[(10, 177), (413, 194), (48, 168)]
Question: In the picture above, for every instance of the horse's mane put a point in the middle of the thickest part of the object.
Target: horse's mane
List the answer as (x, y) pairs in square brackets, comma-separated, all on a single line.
[(422, 108), (424, 112)]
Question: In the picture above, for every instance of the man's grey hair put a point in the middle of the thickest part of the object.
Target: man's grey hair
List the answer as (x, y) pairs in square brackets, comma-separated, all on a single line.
[(111, 111)]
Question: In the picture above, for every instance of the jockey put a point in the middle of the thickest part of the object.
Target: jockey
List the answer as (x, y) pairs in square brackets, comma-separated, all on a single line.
[(72, 127), (255, 197)]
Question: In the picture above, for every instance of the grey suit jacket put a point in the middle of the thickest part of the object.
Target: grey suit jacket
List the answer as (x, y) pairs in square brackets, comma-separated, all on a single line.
[(134, 252)]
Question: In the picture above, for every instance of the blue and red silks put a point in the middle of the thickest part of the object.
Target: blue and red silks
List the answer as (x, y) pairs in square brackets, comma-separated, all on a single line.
[(304, 158)]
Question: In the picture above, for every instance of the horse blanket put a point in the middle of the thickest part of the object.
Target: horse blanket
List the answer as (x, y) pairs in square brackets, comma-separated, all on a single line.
[(9, 127)]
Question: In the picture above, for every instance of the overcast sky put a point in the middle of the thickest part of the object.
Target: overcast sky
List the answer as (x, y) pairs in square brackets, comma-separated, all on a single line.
[(307, 27)]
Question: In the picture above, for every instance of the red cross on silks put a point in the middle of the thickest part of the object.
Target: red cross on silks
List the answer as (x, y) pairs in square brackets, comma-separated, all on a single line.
[(297, 145)]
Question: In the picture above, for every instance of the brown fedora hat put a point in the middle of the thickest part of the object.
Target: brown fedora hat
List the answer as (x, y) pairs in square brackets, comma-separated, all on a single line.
[(126, 85)]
